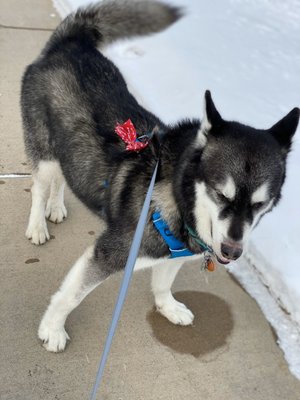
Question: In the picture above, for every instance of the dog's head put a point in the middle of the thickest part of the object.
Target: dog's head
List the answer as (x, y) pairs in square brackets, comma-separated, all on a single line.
[(238, 178)]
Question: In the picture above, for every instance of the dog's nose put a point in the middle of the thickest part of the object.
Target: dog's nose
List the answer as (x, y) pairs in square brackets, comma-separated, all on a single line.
[(232, 251)]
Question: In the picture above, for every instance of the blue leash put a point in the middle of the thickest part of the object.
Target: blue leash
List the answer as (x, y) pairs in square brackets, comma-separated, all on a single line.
[(133, 254)]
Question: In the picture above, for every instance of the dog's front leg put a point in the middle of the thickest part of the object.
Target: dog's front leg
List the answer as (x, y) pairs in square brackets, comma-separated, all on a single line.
[(83, 277), (163, 276)]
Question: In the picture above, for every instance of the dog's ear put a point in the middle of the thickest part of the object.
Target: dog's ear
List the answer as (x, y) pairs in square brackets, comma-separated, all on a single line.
[(211, 116), (211, 119), (285, 129)]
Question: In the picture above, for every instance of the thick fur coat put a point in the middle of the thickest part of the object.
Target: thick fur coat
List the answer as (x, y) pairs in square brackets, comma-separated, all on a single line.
[(215, 176)]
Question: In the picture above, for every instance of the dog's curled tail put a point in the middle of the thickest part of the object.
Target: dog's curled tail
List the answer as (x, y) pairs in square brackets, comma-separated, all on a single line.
[(106, 21)]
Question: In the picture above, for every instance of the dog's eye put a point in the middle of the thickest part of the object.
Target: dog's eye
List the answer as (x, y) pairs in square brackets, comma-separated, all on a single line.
[(257, 206), (222, 197)]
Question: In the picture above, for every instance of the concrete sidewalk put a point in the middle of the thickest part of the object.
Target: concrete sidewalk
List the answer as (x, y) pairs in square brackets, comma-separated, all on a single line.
[(229, 354)]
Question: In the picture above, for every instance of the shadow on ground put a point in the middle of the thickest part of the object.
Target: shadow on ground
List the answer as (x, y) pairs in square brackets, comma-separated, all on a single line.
[(212, 326)]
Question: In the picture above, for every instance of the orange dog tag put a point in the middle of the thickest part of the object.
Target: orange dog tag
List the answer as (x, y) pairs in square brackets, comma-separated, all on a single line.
[(210, 266)]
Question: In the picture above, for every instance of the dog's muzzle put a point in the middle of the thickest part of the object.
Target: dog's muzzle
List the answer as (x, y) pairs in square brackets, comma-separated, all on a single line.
[(231, 251)]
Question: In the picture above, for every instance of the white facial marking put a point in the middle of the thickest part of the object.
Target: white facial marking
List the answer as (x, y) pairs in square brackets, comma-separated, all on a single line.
[(207, 217), (214, 230), (248, 228), (260, 194), (263, 210), (228, 189)]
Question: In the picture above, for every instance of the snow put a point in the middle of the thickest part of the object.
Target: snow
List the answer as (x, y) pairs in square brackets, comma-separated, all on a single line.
[(247, 52), (286, 329)]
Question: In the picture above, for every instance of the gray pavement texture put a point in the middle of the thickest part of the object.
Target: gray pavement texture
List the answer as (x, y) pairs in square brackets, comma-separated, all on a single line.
[(230, 353)]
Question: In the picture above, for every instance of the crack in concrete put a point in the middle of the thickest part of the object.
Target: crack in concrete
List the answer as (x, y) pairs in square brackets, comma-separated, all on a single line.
[(26, 28), (15, 175)]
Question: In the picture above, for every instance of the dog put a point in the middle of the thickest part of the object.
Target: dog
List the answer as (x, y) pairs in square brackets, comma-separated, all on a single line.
[(216, 178)]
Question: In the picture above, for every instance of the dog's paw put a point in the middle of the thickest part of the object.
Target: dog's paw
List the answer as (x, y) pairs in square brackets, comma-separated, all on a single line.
[(56, 213), (177, 313), (54, 339), (38, 233)]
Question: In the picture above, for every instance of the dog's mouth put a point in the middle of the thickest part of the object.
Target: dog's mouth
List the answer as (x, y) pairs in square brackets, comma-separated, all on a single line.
[(222, 260)]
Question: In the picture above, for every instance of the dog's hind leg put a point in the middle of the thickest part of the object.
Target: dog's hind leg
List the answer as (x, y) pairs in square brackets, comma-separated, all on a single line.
[(55, 209), (163, 276), (83, 277), (42, 176)]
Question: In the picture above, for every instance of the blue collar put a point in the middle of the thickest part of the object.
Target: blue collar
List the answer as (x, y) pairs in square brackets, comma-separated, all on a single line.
[(176, 247)]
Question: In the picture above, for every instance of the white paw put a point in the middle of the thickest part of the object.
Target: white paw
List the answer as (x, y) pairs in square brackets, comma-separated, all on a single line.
[(177, 313), (54, 339), (55, 213), (38, 233)]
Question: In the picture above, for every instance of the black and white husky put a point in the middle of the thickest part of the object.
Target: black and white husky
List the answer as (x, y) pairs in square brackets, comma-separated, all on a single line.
[(216, 178)]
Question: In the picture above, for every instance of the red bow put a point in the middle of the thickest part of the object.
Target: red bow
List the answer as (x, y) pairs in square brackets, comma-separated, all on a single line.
[(127, 133)]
